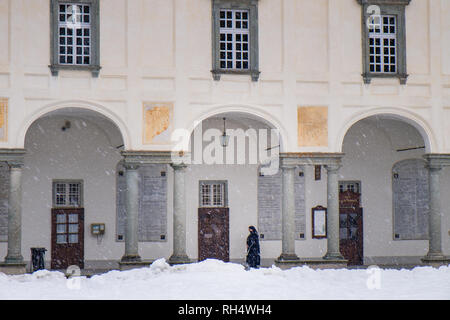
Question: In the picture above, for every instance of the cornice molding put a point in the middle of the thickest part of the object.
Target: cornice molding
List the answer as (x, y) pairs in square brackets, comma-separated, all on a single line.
[(155, 157), (13, 157), (310, 158), (437, 160)]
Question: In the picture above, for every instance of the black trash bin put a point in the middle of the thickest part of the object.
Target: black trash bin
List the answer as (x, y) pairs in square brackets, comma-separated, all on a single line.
[(37, 259)]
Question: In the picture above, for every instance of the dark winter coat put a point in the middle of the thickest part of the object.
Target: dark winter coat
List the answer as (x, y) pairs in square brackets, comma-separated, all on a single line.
[(253, 258)]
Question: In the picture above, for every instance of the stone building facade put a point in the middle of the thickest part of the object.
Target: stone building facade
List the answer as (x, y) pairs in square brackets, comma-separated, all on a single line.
[(113, 114)]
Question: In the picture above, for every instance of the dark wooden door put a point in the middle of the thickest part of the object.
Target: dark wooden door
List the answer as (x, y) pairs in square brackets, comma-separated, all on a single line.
[(67, 238), (213, 234), (351, 227)]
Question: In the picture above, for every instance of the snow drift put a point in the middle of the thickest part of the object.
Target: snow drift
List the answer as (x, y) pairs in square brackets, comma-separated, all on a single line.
[(216, 280)]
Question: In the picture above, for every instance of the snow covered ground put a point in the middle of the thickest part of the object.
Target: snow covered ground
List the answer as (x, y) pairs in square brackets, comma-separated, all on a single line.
[(216, 280)]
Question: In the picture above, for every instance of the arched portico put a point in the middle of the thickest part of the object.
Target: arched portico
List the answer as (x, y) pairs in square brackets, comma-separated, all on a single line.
[(246, 111), (63, 179), (76, 108), (373, 143), (252, 141), (426, 131)]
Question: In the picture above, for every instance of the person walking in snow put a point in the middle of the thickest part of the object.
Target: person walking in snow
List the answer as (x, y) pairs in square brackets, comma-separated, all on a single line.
[(253, 259)]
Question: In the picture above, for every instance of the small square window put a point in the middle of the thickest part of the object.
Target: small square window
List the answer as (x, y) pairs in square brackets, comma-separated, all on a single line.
[(67, 194), (213, 193)]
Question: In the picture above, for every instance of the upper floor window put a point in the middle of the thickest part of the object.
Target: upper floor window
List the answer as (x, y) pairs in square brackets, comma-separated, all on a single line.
[(75, 36), (235, 38), (74, 33), (384, 44)]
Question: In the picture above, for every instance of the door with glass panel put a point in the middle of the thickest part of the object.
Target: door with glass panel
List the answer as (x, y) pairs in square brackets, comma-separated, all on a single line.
[(213, 221), (67, 246)]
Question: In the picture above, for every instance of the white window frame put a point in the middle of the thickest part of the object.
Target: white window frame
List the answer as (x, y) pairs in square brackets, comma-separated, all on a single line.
[(67, 193), (353, 186), (75, 22), (234, 32), (208, 190), (371, 9), (94, 37), (252, 68), (377, 31)]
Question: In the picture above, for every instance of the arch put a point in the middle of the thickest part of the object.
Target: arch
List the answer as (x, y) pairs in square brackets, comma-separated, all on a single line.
[(244, 109), (410, 118), (74, 104)]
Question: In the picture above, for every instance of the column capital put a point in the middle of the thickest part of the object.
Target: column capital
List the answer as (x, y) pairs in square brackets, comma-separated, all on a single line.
[(287, 166), (131, 165), (16, 164), (13, 157), (147, 157), (178, 166), (332, 167)]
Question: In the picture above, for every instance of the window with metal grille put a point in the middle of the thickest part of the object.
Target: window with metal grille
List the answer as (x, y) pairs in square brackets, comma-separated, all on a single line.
[(74, 33), (234, 39), (384, 39), (213, 194), (383, 44), (67, 194), (353, 186)]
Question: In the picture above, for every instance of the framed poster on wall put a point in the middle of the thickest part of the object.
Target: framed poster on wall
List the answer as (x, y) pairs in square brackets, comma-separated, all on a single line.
[(319, 222)]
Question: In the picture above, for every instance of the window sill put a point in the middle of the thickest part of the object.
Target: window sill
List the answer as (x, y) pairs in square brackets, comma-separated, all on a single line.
[(218, 72), (369, 76), (54, 68)]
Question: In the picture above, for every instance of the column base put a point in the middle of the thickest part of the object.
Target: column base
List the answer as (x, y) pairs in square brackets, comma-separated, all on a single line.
[(322, 263), (183, 259), (287, 257), (313, 263), (128, 265), (287, 261), (13, 268), (131, 258), (334, 256), (14, 259), (436, 260)]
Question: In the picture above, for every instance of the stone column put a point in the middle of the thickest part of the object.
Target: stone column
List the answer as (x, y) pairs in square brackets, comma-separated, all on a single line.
[(179, 216), (435, 213), (288, 215), (132, 213), (14, 255), (333, 252)]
